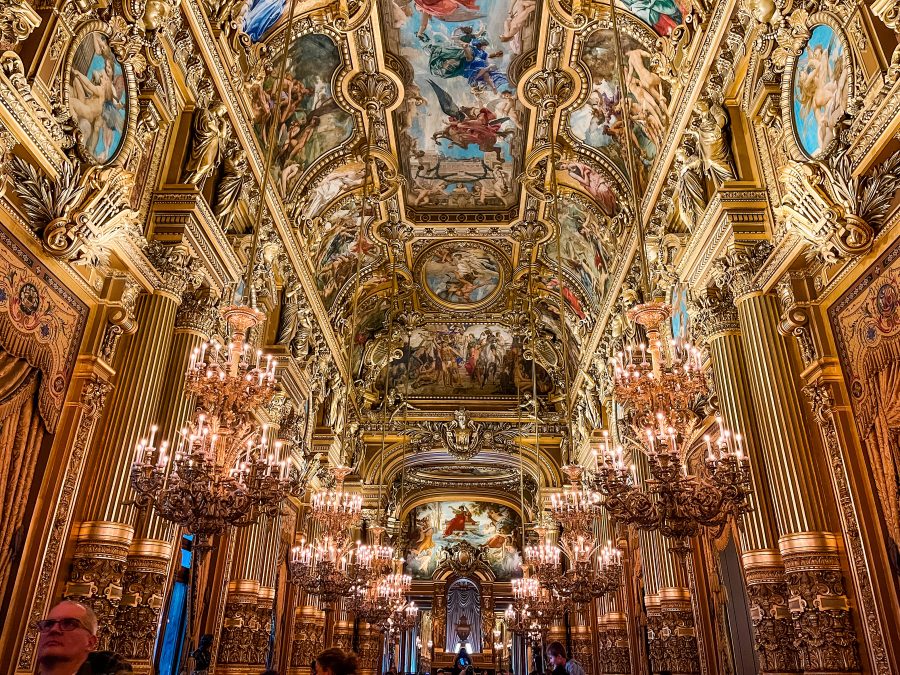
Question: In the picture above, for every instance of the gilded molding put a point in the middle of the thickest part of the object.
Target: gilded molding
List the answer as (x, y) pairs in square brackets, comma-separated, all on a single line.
[(773, 629), (178, 269), (17, 20)]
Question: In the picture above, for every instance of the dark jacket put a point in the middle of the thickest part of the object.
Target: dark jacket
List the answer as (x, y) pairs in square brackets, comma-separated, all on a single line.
[(104, 663)]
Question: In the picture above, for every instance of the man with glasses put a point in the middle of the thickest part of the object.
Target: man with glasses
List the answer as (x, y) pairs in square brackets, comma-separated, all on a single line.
[(68, 636)]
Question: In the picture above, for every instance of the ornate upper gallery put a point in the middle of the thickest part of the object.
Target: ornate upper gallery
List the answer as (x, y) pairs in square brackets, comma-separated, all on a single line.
[(458, 334)]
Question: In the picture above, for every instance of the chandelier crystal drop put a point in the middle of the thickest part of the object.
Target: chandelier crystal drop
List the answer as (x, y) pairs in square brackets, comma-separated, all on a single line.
[(224, 469)]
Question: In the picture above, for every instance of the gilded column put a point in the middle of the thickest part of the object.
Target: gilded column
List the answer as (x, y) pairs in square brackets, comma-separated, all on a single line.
[(105, 535), (371, 647), (717, 318), (146, 575), (614, 658), (582, 639), (239, 640), (816, 597), (671, 633)]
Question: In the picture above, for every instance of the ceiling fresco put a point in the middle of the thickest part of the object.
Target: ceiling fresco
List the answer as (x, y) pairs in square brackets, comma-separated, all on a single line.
[(598, 121), (464, 360), (307, 122), (460, 129)]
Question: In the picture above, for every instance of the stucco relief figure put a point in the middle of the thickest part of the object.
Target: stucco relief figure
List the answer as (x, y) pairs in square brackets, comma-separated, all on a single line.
[(209, 135), (235, 174), (711, 130), (690, 201)]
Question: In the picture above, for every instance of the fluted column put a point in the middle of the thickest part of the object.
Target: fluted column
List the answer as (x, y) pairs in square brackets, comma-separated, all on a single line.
[(764, 569), (239, 641), (107, 530), (149, 558), (671, 632), (816, 598)]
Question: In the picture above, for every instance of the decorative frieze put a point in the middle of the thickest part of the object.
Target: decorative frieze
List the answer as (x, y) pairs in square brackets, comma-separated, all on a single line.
[(773, 629)]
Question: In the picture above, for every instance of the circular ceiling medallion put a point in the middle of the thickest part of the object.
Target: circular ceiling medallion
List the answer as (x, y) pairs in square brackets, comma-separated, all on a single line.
[(462, 274)]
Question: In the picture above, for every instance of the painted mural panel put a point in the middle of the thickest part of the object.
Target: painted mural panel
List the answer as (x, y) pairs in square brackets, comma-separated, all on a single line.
[(307, 122), (599, 123), (866, 325), (587, 248), (437, 526), (98, 97), (820, 90), (337, 259), (457, 359), (460, 129), (663, 16)]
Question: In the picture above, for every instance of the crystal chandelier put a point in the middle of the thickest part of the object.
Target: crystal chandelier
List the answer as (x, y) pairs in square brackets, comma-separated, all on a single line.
[(333, 565), (534, 609), (224, 470)]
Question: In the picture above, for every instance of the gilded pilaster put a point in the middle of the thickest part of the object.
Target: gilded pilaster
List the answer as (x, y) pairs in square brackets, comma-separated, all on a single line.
[(75, 432), (790, 462)]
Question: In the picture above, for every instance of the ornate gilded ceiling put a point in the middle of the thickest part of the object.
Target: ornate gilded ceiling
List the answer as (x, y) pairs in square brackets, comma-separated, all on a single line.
[(459, 99)]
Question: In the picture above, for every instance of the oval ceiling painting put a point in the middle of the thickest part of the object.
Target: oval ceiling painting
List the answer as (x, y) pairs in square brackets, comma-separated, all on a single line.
[(462, 273), (819, 90), (98, 97)]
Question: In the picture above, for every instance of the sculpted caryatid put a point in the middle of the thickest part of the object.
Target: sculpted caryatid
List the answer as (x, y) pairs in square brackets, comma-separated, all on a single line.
[(209, 135), (711, 131), (691, 198), (228, 191)]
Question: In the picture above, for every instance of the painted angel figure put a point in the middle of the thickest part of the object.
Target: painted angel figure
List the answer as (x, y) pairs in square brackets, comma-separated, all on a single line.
[(467, 126), (450, 11)]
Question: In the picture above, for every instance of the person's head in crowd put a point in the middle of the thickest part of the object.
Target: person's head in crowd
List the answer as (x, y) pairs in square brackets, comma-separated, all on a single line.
[(336, 661), (68, 636), (556, 654)]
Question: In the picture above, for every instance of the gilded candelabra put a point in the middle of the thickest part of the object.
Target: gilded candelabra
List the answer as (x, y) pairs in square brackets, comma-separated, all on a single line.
[(224, 470), (534, 609), (659, 386)]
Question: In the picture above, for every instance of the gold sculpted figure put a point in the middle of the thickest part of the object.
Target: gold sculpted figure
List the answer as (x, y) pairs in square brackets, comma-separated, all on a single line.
[(209, 136), (710, 129)]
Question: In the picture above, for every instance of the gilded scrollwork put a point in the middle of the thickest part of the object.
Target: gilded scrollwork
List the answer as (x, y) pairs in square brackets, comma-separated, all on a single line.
[(836, 212), (17, 21), (79, 213)]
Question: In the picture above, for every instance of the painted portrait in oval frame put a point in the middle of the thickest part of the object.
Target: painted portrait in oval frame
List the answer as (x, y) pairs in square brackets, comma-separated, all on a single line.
[(819, 90), (462, 274), (99, 92)]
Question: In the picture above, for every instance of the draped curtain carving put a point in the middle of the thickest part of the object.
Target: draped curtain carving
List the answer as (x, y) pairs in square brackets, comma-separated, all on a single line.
[(464, 600), (21, 434), (882, 441)]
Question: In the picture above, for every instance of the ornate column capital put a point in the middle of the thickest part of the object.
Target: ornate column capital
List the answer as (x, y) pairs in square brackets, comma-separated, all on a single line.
[(178, 269), (715, 313), (734, 272), (199, 311)]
